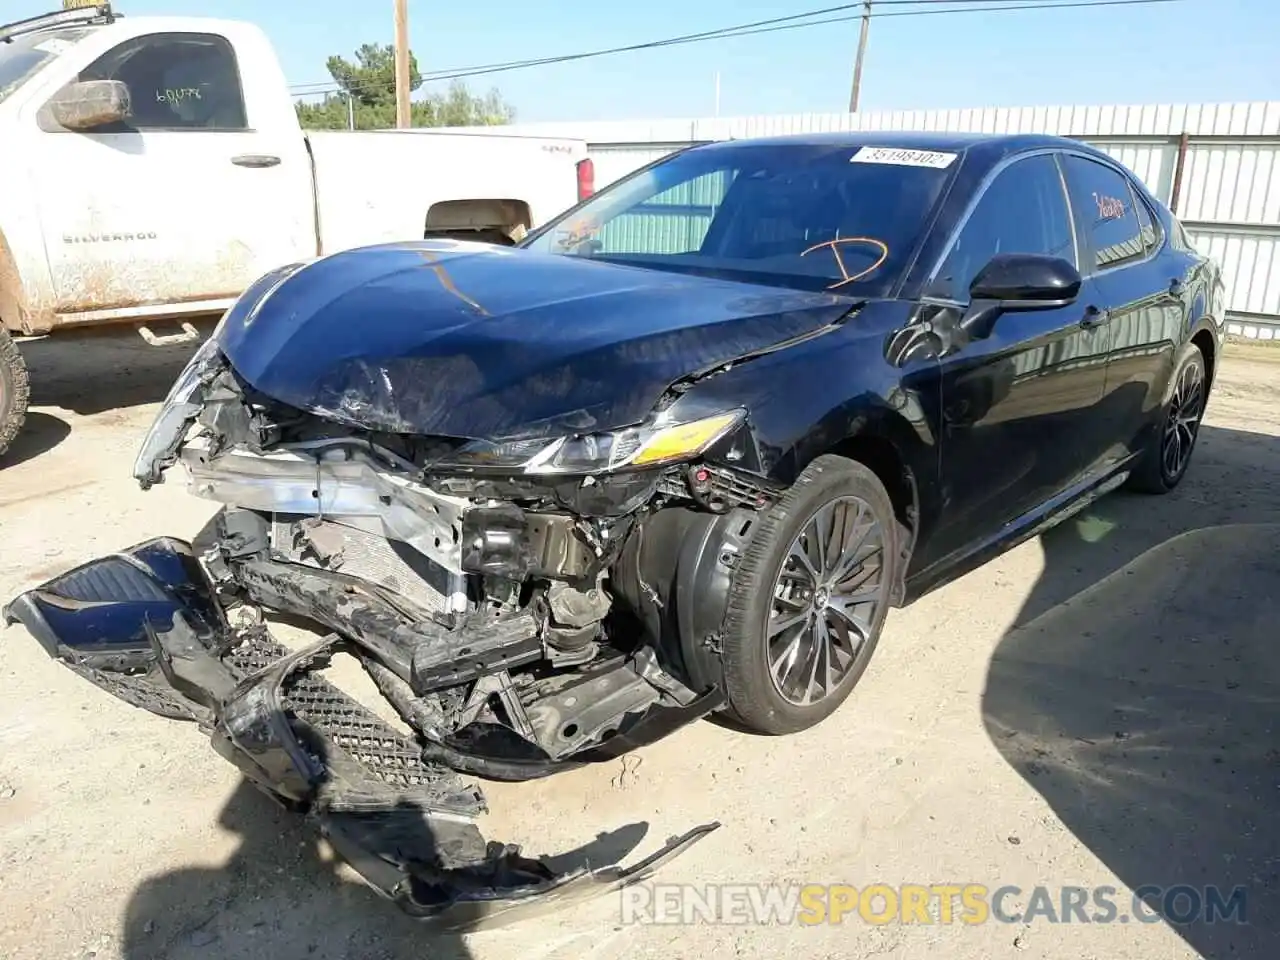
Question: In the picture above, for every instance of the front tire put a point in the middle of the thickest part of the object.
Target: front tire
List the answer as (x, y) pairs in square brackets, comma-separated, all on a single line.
[(810, 598), (1164, 463), (14, 391)]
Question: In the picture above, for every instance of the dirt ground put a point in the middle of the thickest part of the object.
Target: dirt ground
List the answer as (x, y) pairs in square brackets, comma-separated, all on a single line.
[(1096, 708)]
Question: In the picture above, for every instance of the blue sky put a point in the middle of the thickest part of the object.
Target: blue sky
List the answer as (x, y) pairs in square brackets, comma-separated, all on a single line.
[(1190, 51)]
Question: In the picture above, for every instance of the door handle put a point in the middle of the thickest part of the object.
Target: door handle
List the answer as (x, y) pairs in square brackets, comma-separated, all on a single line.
[(255, 160), (1093, 317)]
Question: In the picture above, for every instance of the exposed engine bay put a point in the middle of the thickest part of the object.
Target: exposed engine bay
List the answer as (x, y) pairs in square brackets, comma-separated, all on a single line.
[(519, 623), (507, 617)]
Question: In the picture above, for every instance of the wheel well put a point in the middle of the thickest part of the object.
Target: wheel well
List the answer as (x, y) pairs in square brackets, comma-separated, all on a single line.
[(1204, 340), (882, 458), (512, 217)]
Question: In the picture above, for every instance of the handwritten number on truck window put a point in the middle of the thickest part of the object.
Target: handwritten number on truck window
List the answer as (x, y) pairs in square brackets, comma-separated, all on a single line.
[(176, 95)]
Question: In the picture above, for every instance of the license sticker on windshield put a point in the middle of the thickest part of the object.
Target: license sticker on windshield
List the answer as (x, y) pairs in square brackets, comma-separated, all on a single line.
[(904, 158)]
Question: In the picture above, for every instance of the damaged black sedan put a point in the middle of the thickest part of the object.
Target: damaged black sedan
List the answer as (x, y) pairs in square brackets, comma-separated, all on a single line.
[(679, 452)]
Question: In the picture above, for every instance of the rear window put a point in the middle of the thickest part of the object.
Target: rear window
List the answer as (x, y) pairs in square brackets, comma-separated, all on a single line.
[(813, 216), (1106, 207)]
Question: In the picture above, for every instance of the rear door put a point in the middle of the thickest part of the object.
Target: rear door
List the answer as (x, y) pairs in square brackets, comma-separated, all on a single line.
[(1123, 248), (183, 201), (1016, 402)]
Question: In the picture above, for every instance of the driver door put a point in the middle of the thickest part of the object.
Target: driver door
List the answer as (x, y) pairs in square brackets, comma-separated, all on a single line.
[(1015, 403), (183, 201)]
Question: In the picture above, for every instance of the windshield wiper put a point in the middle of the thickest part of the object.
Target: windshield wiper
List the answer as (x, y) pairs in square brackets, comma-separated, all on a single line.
[(99, 13)]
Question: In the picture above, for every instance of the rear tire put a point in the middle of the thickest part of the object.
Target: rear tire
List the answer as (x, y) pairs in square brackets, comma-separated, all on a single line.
[(810, 598), (14, 391), (1168, 454)]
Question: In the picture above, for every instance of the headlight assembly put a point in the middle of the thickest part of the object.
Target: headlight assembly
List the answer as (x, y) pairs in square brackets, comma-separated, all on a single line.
[(169, 429), (656, 443), (161, 443)]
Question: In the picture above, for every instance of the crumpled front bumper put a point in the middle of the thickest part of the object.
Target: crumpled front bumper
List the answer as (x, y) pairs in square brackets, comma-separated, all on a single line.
[(146, 626)]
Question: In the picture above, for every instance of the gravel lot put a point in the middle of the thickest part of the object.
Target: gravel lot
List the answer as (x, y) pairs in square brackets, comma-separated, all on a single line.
[(1098, 707)]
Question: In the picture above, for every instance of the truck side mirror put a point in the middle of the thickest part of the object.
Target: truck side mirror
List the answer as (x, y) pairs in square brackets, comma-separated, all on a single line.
[(89, 104)]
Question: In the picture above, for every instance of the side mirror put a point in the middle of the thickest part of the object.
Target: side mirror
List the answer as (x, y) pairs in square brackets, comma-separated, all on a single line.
[(1026, 281), (89, 104)]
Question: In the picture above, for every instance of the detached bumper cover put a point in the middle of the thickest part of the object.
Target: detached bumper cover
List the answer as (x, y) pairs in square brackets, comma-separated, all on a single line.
[(145, 626)]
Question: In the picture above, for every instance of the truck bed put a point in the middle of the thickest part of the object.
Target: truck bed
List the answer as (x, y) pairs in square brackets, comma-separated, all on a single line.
[(382, 186)]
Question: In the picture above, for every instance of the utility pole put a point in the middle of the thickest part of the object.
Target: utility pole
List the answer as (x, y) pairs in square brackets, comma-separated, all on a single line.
[(403, 118), (862, 52)]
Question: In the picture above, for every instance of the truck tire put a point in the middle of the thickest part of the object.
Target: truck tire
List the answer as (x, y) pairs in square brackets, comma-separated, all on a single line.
[(14, 391)]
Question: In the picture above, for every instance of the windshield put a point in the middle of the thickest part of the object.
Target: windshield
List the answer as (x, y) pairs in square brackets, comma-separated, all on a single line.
[(22, 57), (813, 216)]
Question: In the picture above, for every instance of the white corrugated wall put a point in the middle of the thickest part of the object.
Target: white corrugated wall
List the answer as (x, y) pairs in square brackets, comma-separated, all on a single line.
[(1228, 197)]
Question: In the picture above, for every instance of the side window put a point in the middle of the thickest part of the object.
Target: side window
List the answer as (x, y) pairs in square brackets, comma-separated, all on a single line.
[(673, 221), (1105, 204), (1024, 210), (176, 81), (1146, 223)]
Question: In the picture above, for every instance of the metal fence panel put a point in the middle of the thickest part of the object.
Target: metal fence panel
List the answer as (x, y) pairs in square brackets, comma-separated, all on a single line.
[(1232, 183), (614, 164), (1251, 269)]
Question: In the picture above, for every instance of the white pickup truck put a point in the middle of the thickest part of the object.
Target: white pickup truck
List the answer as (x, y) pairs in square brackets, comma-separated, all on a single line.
[(152, 168)]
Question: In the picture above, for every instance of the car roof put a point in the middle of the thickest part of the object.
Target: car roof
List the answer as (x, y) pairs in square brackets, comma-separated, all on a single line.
[(908, 139), (981, 148)]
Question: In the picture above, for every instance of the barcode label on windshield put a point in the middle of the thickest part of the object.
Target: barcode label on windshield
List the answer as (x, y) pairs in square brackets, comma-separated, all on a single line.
[(904, 158)]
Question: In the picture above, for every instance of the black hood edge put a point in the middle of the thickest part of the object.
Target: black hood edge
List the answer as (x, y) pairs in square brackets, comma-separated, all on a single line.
[(684, 383)]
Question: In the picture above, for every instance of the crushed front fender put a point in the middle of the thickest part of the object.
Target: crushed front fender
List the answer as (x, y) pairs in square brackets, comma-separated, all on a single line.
[(147, 626)]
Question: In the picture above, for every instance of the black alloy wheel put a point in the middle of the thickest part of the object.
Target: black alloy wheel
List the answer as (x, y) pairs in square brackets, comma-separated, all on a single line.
[(809, 598), (825, 599), (1182, 422), (1164, 463)]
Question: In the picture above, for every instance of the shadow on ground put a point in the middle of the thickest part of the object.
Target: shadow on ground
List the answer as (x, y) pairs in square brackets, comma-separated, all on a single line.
[(281, 896), (39, 434), (1139, 693), (90, 373), (276, 898), (95, 371)]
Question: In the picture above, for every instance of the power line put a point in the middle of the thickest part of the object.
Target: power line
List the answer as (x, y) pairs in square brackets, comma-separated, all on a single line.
[(775, 25), (742, 29), (686, 38)]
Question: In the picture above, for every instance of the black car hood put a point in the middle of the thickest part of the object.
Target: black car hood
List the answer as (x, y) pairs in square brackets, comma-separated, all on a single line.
[(470, 340)]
